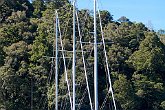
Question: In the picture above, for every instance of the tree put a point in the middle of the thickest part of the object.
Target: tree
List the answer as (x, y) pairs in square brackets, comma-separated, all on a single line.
[(117, 56), (149, 93), (106, 17), (126, 34), (150, 56), (15, 5), (124, 93), (136, 57), (39, 6), (14, 77), (161, 31), (123, 19), (148, 63), (161, 34)]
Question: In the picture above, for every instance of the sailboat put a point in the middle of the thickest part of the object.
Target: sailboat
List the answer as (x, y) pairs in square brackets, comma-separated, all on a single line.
[(94, 105)]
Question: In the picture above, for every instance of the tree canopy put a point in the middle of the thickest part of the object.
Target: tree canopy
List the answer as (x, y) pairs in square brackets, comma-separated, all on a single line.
[(136, 58)]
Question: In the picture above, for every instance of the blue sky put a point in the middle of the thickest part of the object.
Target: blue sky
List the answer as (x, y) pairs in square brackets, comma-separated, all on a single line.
[(150, 12)]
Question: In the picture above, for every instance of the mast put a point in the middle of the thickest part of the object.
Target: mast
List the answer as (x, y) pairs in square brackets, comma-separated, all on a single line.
[(74, 56), (95, 61), (56, 73)]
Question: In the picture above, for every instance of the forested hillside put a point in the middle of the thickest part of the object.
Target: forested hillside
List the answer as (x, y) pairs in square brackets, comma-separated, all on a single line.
[(136, 58)]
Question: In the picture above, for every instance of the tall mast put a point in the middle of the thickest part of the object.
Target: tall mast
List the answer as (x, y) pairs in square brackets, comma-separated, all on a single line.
[(95, 61), (56, 73), (74, 56)]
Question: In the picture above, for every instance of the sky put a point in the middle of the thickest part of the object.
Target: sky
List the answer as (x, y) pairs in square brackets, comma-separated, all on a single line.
[(149, 12)]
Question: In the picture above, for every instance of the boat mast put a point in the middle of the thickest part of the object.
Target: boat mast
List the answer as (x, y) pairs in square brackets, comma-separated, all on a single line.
[(56, 59), (74, 56), (95, 61)]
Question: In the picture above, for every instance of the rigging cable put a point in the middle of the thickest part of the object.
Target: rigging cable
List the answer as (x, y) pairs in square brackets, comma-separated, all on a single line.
[(66, 73), (65, 34), (86, 77), (105, 53)]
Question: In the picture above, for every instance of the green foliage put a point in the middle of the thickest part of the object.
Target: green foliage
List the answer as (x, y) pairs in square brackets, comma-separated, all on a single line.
[(124, 92), (38, 7), (150, 93), (123, 19), (161, 34), (13, 75), (117, 56), (150, 55), (163, 105), (126, 34), (106, 17), (136, 59)]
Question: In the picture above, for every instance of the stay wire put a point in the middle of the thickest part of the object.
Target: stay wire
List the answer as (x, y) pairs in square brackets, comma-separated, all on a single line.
[(65, 33), (105, 53), (85, 70), (66, 73)]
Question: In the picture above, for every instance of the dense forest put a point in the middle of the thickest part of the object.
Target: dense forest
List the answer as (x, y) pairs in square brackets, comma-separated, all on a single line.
[(136, 58)]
